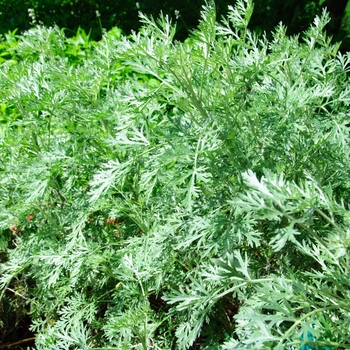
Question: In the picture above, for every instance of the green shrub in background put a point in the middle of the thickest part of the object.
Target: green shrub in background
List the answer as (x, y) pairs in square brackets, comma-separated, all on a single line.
[(166, 195), (7, 42), (297, 15)]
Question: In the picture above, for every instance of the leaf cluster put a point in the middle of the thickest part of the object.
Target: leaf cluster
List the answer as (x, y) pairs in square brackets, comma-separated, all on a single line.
[(168, 195)]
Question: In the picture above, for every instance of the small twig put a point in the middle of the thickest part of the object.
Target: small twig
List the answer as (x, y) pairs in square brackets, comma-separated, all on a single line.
[(14, 292), (8, 346)]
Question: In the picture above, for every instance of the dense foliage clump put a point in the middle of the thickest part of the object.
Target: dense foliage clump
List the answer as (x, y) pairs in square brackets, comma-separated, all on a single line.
[(166, 195)]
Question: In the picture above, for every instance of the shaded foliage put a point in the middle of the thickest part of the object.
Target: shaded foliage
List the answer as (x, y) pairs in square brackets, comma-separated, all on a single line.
[(70, 14)]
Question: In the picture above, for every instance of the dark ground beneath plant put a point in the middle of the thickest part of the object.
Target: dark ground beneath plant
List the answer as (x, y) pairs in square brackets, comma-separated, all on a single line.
[(16, 334), (18, 338)]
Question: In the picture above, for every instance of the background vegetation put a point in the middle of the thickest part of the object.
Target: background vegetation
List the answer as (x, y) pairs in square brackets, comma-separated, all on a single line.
[(163, 194), (295, 14)]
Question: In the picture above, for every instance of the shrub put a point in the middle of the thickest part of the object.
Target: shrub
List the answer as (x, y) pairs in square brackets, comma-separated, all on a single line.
[(297, 15), (178, 195)]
